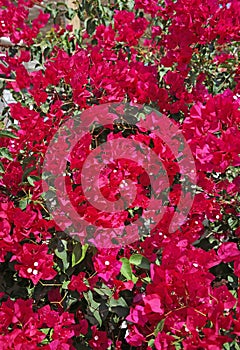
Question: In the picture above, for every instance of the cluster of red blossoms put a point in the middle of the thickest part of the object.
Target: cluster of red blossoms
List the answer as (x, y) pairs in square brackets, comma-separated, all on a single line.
[(164, 290), (13, 18)]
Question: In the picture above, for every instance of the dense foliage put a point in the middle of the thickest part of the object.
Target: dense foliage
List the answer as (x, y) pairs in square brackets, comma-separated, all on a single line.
[(166, 290)]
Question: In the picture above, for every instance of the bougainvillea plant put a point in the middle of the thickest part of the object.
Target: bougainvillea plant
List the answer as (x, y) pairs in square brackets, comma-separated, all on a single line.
[(164, 290)]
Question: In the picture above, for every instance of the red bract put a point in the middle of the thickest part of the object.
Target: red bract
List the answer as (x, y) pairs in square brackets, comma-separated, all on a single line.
[(99, 339), (27, 326), (13, 21), (162, 290), (228, 252), (13, 177), (77, 283), (106, 265), (135, 338), (164, 341), (128, 28), (24, 324), (34, 262)]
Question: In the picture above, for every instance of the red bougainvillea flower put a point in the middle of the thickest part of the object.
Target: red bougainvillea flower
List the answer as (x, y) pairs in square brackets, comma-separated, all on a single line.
[(172, 290), (34, 262), (106, 265), (77, 283), (99, 339)]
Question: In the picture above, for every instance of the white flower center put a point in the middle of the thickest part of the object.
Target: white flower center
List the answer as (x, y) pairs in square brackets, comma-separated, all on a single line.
[(29, 270), (35, 264), (96, 337), (35, 272), (123, 184), (107, 263)]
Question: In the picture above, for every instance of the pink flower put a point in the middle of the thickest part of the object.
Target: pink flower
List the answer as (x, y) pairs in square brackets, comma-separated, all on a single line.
[(228, 251), (106, 265), (135, 338), (34, 262)]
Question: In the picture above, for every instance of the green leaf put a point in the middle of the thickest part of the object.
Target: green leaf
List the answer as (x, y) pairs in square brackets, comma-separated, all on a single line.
[(61, 4), (23, 203), (234, 293), (236, 345), (7, 133), (162, 71), (90, 25), (63, 255), (32, 179), (49, 333), (140, 261), (232, 222), (65, 284), (126, 270), (93, 306), (118, 302), (104, 290), (45, 107), (70, 14), (4, 153), (1, 168), (147, 279), (230, 279), (159, 327), (45, 330), (130, 5), (79, 253), (151, 343)]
